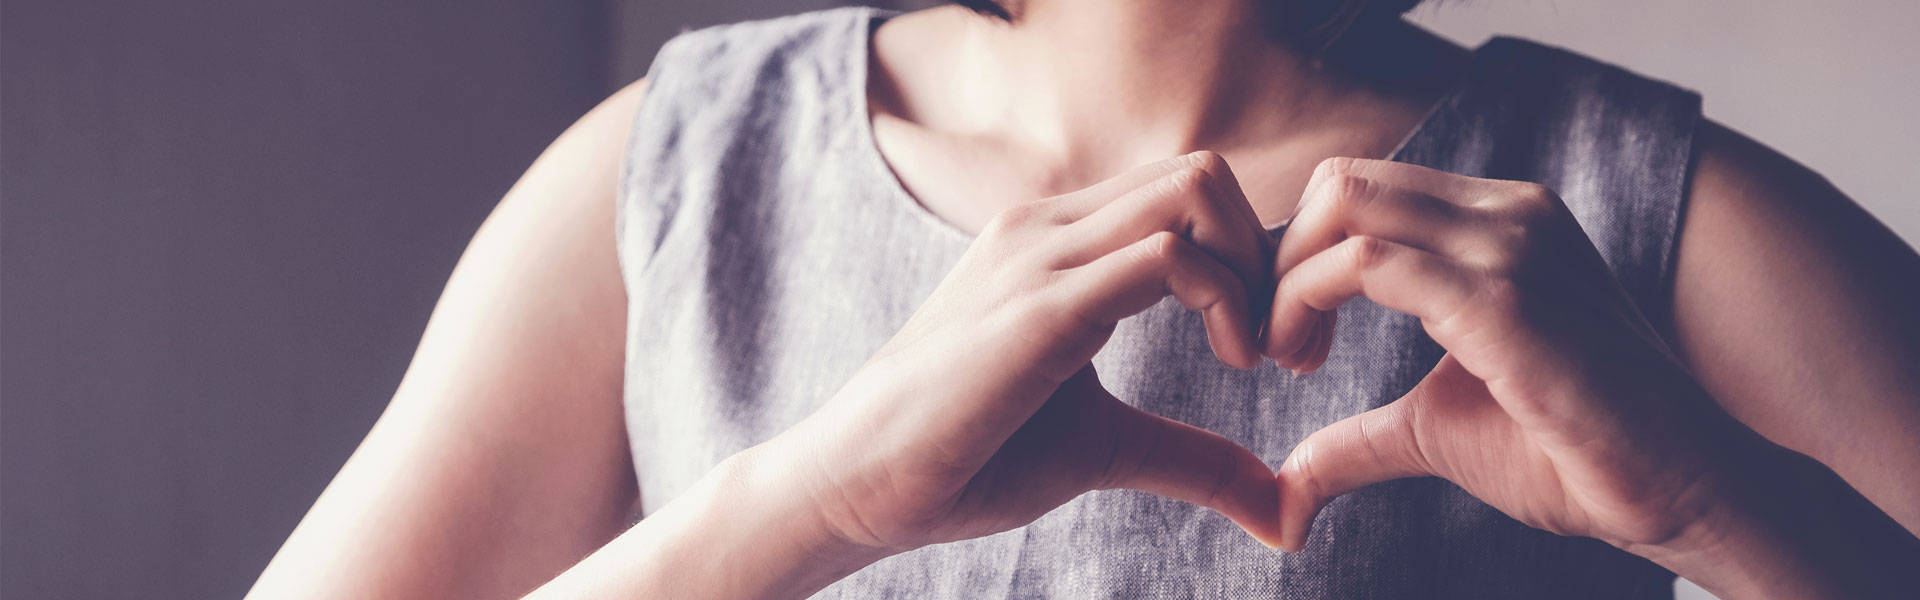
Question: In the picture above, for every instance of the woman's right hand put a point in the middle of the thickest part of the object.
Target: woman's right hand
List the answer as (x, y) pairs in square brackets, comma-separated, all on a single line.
[(984, 412)]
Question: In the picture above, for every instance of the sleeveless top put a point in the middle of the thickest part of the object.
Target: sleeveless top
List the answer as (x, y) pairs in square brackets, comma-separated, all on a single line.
[(768, 251)]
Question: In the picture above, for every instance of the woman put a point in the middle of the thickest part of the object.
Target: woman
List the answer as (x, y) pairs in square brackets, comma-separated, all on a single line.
[(877, 301)]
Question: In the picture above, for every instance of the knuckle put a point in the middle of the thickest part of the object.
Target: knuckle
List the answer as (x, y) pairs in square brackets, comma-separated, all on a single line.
[(1524, 237), (1208, 160), (1019, 217), (1511, 234), (1162, 247), (1388, 434), (1199, 159), (1025, 213), (1533, 198), (1500, 262), (1305, 464), (1179, 197), (1218, 291), (1502, 247), (1368, 252), (1535, 191), (1336, 165), (1000, 225), (1189, 185), (1348, 193)]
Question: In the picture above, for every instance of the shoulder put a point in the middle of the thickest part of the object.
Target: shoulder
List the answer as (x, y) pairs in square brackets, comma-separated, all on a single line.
[(1794, 308), (1526, 110), (589, 150), (1737, 177), (1584, 112), (1526, 70), (1742, 192), (1763, 232)]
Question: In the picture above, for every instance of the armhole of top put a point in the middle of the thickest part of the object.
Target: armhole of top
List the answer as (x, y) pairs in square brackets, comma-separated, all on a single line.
[(1683, 120), (638, 155), (1663, 317)]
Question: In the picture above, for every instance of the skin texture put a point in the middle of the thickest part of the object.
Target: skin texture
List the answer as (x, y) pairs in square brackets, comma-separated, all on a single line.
[(502, 458), (1557, 403), (1831, 373), (1724, 439)]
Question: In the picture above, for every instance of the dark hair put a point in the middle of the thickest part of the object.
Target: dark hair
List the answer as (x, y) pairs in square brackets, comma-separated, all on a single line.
[(1310, 24)]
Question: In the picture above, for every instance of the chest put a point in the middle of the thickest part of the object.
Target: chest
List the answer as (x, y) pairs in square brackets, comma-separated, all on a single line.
[(966, 180)]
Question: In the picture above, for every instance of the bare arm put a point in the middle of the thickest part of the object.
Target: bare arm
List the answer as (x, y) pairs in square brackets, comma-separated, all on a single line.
[(502, 458), (1796, 310)]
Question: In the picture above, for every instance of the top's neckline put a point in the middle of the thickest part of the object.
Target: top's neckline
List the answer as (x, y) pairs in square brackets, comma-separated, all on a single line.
[(870, 20)]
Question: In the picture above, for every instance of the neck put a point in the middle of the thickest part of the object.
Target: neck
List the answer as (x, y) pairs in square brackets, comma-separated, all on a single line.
[(1107, 84)]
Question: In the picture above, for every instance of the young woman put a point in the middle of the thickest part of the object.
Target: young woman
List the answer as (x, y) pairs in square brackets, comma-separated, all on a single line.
[(866, 305)]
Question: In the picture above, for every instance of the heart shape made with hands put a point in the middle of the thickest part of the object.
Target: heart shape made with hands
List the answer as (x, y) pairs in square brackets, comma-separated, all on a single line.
[(1555, 402)]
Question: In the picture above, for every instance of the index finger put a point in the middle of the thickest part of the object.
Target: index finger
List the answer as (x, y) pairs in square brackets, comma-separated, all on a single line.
[(1406, 176), (1078, 205)]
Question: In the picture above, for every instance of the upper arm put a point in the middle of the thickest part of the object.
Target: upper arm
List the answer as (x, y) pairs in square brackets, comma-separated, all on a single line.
[(1796, 310), (502, 458)]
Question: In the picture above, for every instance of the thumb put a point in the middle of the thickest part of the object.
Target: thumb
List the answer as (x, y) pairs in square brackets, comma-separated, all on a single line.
[(1173, 459), (1361, 450)]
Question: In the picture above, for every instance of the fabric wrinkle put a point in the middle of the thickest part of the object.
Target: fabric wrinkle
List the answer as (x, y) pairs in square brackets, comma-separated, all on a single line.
[(768, 251)]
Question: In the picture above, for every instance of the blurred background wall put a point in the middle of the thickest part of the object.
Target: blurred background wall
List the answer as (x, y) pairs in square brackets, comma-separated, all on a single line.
[(223, 222)]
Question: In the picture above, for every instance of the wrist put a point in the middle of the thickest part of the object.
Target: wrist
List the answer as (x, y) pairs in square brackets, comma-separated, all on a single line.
[(736, 533), (1709, 548), (1772, 523), (758, 499)]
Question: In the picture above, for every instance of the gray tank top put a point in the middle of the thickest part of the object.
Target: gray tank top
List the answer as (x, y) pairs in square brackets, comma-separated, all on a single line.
[(768, 251)]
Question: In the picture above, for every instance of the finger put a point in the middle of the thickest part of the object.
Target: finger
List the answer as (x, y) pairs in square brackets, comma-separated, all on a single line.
[(1128, 281), (1328, 322), (1316, 333), (1393, 275), (1229, 185), (1314, 352), (1074, 206), (1202, 202), (1361, 450), (1077, 205), (1169, 458), (1338, 205), (1099, 196), (1459, 189)]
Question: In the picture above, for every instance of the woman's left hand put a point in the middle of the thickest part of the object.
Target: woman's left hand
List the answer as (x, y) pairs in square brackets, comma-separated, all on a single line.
[(1556, 403)]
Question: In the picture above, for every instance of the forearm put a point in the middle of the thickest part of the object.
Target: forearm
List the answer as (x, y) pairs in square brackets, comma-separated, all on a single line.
[(734, 534), (1787, 527)]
